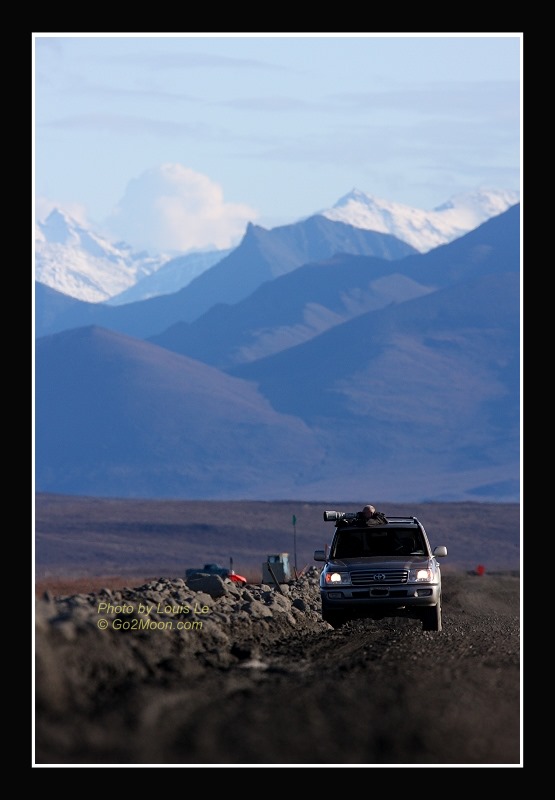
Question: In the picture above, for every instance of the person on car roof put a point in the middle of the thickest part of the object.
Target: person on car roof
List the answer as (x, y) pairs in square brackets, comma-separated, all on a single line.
[(369, 516)]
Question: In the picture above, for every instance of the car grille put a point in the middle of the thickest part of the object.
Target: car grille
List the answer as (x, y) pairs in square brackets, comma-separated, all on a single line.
[(376, 577)]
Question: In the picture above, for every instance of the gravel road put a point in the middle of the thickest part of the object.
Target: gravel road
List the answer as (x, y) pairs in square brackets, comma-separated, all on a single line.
[(266, 682)]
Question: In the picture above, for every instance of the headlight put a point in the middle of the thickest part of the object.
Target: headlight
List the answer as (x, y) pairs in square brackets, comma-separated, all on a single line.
[(337, 578), (422, 575)]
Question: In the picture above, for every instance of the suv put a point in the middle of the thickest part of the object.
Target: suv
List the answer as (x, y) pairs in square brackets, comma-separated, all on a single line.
[(386, 570)]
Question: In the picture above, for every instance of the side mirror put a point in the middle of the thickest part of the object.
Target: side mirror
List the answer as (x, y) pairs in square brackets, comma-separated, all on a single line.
[(319, 555), (440, 551)]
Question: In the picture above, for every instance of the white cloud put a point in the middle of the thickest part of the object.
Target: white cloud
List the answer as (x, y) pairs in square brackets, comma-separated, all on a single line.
[(173, 208)]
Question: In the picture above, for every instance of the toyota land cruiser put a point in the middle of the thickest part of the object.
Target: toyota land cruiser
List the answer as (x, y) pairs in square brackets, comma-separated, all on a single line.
[(387, 570)]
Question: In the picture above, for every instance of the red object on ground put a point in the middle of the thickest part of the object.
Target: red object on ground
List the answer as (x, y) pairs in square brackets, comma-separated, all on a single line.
[(236, 578), (480, 569)]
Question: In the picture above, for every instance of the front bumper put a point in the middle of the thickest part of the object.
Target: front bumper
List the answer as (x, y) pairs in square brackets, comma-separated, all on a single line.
[(349, 598)]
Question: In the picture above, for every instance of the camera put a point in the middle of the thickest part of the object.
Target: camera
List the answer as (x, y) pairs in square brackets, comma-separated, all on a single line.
[(334, 516)]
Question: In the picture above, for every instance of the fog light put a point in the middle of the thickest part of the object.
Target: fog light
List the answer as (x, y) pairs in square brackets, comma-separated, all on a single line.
[(335, 595)]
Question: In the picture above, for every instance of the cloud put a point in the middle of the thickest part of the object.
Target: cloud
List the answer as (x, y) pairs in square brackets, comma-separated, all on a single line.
[(277, 104), (455, 99), (129, 125), (171, 208), (178, 60)]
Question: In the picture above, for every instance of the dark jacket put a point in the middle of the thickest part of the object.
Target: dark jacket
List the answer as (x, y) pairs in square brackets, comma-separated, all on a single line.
[(377, 518)]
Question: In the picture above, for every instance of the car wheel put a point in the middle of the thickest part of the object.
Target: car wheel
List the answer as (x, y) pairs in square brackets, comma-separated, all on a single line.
[(431, 618)]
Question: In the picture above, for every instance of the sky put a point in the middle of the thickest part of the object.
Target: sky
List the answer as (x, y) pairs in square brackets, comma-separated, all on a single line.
[(174, 142)]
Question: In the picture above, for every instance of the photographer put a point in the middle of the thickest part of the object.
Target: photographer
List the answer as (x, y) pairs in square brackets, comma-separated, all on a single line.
[(369, 516)]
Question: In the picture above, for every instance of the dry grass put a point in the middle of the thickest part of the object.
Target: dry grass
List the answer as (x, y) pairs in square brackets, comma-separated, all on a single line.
[(70, 586), (87, 585), (79, 537)]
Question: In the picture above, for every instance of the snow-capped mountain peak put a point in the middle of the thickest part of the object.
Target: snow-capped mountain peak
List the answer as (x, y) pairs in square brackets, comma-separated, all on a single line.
[(57, 228), (73, 259), (424, 230), (60, 228)]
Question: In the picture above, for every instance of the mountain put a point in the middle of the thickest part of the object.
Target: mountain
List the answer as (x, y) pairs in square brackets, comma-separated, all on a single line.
[(116, 416), (380, 364), (73, 260), (423, 395), (297, 306), (171, 277), (424, 230), (261, 256), (290, 309), (417, 400)]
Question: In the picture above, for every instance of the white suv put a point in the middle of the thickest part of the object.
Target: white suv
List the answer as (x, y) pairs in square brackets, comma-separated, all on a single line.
[(385, 570)]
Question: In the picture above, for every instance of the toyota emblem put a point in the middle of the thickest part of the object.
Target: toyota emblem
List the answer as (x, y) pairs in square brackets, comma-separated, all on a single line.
[(379, 576)]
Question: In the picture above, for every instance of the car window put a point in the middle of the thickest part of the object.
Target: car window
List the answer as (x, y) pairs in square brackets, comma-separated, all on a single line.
[(411, 541), (377, 542), (349, 544)]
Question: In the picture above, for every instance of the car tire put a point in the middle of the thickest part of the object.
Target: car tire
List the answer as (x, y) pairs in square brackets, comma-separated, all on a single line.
[(431, 618)]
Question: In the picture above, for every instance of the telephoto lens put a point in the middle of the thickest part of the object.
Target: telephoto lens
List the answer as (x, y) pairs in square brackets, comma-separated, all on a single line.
[(335, 516)]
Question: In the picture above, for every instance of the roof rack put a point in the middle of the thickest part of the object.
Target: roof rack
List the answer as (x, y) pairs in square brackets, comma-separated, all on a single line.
[(400, 519)]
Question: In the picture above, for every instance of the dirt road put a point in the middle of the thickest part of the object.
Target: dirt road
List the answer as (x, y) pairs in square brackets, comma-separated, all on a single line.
[(372, 694)]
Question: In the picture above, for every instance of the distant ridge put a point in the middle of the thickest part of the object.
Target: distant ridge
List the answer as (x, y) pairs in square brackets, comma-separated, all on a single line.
[(410, 397), (424, 230), (72, 258), (261, 256)]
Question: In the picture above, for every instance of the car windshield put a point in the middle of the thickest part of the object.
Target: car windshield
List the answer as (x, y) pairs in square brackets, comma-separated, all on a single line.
[(365, 542)]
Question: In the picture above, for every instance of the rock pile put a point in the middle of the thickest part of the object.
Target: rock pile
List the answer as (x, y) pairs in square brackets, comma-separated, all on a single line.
[(112, 637)]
